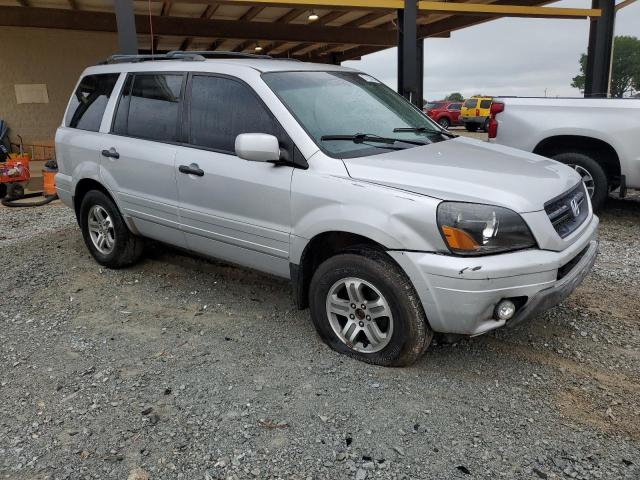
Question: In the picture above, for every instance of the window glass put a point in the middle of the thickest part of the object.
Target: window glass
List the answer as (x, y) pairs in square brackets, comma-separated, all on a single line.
[(347, 104), (89, 101), (485, 104), (221, 109), (471, 103), (149, 107), (434, 105), (455, 106)]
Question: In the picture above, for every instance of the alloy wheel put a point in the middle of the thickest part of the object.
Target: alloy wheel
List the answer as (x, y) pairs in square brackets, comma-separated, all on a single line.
[(587, 178), (101, 229), (359, 315)]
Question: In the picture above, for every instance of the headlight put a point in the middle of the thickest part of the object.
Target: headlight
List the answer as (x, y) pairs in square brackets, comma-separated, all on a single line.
[(474, 229)]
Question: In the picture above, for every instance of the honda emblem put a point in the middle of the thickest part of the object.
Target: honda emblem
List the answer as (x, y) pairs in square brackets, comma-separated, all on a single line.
[(575, 207)]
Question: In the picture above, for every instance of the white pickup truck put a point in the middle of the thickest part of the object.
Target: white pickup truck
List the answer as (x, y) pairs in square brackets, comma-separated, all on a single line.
[(600, 138)]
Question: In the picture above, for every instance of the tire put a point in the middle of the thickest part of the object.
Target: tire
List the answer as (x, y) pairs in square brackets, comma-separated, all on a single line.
[(125, 248), (444, 122), (409, 333), (3, 190), (485, 125), (471, 127), (585, 162)]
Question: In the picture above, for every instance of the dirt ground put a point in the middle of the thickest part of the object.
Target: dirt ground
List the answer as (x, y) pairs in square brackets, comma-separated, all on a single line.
[(181, 368)]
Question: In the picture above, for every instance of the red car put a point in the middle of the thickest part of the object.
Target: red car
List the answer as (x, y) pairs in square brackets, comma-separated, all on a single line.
[(445, 113)]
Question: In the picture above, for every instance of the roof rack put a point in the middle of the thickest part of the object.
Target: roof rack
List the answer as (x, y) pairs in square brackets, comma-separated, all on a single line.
[(194, 56), (218, 54), (187, 56)]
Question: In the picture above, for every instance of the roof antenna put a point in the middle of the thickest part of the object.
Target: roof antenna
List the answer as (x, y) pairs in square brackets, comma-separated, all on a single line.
[(151, 30)]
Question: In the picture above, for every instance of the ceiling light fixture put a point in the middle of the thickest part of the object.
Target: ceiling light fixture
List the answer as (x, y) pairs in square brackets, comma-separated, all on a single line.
[(313, 16), (258, 48)]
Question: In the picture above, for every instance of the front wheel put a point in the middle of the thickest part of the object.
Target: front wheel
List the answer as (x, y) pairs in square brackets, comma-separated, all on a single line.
[(444, 122), (364, 306), (592, 173), (105, 233)]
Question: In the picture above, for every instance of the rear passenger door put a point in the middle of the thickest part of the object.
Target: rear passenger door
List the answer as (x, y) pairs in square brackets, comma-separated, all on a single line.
[(235, 209), (139, 154)]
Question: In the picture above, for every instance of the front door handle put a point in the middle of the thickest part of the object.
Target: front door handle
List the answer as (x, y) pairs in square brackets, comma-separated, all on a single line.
[(111, 153), (192, 169)]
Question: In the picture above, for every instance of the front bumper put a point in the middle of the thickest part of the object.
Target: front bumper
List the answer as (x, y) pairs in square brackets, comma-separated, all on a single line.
[(459, 294)]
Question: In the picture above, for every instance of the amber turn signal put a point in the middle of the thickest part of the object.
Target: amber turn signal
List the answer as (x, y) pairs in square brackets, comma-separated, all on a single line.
[(459, 239)]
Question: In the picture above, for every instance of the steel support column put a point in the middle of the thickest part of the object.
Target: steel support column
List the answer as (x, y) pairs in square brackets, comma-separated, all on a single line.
[(599, 53), (126, 24), (410, 54)]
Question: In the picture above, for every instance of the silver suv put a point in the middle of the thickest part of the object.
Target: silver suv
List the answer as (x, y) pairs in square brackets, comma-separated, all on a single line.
[(389, 227)]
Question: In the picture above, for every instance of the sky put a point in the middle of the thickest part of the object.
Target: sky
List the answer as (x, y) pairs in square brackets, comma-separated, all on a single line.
[(509, 56)]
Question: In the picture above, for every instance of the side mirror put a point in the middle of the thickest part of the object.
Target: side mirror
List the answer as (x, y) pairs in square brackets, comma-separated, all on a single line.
[(257, 147)]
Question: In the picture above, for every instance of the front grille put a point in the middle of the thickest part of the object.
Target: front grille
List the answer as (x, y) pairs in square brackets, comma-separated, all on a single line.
[(568, 211)]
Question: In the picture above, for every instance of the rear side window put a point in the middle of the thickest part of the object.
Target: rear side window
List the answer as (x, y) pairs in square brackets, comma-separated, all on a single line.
[(455, 106), (89, 101), (471, 103), (485, 103), (149, 107), (221, 109)]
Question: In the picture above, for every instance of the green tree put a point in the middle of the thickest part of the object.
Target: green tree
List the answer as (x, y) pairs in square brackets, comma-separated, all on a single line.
[(454, 97), (625, 71)]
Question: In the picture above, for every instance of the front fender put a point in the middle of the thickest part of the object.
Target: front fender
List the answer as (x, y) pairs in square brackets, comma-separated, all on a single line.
[(393, 218)]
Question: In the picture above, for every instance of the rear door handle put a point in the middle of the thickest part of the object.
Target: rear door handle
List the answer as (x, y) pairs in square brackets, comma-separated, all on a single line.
[(192, 169), (111, 153)]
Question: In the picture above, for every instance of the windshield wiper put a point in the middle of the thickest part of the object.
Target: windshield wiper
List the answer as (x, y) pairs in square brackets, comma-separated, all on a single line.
[(424, 130), (365, 137)]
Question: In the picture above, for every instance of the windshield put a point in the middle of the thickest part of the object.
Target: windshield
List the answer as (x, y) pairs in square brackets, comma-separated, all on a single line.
[(329, 104)]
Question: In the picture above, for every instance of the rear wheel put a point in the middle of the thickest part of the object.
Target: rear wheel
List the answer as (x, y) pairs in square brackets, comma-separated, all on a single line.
[(485, 125), (444, 122), (471, 127), (592, 173), (105, 233), (364, 306)]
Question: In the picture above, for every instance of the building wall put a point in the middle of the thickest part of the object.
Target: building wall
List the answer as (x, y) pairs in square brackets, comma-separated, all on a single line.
[(52, 57)]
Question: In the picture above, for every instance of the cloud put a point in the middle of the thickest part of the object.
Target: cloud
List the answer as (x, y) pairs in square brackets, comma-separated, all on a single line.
[(509, 56)]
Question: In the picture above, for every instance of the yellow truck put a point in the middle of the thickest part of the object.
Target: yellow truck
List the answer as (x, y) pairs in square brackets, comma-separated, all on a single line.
[(475, 113)]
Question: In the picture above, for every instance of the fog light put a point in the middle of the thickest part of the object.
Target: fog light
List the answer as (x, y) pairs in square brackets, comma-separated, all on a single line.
[(505, 310)]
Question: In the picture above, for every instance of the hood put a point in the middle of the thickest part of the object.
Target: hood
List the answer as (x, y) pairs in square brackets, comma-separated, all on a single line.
[(468, 170)]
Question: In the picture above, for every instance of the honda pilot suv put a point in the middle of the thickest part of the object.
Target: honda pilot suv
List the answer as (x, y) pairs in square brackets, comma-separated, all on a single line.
[(388, 227)]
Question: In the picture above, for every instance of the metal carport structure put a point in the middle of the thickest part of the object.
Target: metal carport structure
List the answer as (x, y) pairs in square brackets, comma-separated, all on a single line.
[(330, 31)]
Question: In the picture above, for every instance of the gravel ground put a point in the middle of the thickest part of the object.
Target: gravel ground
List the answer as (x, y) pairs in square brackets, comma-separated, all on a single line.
[(179, 368)]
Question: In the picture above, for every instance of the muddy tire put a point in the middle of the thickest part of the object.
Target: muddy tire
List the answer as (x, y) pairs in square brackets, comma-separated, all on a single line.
[(364, 306), (105, 233)]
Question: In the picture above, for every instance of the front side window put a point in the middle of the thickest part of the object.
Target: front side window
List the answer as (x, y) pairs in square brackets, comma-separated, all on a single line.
[(89, 101), (149, 107), (221, 109), (351, 104)]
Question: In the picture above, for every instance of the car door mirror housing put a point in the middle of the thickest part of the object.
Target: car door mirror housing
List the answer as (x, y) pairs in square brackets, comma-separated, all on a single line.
[(258, 147)]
